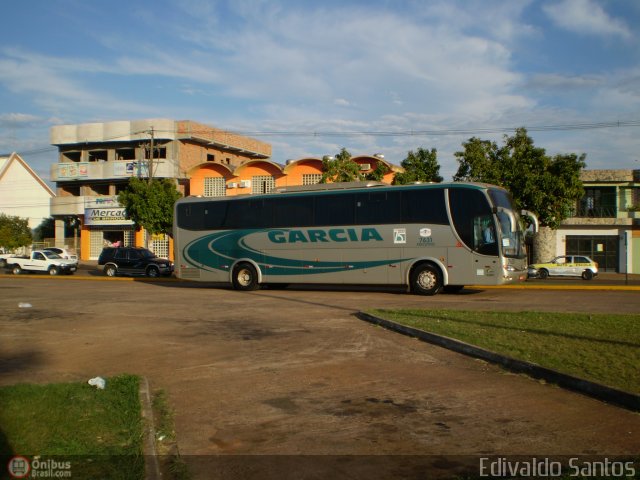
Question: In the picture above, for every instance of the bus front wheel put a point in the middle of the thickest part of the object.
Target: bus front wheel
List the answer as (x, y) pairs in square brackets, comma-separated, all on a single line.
[(426, 279), (245, 277)]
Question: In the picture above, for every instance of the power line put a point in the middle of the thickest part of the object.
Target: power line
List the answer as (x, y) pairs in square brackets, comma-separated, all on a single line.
[(377, 133), (452, 131)]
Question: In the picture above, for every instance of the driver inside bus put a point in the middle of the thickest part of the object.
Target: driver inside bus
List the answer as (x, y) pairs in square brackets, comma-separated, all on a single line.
[(489, 234)]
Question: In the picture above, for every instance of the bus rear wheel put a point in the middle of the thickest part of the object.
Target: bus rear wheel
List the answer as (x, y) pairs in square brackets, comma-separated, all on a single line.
[(426, 279), (245, 277)]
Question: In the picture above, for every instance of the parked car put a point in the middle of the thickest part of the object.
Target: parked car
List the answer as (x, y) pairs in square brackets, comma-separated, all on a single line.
[(4, 257), (565, 266), (42, 261), (63, 252), (133, 261)]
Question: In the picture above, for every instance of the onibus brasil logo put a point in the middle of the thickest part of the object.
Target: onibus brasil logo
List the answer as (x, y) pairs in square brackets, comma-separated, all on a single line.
[(22, 467)]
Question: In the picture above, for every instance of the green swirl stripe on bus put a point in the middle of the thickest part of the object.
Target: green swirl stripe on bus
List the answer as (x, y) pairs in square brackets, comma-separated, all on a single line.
[(219, 251)]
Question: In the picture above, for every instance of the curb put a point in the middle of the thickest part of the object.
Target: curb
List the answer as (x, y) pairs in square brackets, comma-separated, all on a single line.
[(614, 396), (96, 278), (629, 288)]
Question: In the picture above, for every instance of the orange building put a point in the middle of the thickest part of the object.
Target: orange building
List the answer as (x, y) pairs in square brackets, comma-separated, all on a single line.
[(262, 176)]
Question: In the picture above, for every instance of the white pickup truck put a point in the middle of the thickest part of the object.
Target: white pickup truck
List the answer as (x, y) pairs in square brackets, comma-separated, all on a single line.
[(3, 258), (42, 261)]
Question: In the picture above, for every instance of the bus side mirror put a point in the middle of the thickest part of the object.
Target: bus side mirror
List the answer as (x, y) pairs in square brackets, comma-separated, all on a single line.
[(513, 224), (534, 219)]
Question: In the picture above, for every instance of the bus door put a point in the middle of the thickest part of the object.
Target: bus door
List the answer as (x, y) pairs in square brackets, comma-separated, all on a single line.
[(476, 251)]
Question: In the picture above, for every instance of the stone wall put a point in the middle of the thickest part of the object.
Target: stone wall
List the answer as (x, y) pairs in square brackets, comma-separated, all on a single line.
[(544, 245)]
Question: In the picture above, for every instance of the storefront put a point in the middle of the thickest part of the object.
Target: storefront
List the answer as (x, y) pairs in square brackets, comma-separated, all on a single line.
[(105, 224)]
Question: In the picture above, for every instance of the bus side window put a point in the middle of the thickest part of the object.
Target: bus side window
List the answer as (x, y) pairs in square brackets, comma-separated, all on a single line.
[(190, 216), (334, 210), (245, 214), (293, 212), (374, 208), (210, 214), (424, 206)]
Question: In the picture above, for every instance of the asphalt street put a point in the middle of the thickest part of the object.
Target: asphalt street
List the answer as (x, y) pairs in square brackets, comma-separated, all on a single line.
[(294, 376)]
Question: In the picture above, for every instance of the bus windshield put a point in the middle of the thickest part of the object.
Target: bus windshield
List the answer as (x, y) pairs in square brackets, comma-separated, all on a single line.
[(510, 225)]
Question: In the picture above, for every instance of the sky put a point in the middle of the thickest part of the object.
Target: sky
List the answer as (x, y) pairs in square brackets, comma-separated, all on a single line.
[(310, 77)]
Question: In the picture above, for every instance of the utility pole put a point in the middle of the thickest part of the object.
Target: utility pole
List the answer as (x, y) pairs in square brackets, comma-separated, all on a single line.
[(151, 156)]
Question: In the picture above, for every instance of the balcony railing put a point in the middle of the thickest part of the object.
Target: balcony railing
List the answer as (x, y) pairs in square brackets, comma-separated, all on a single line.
[(594, 212), (119, 169)]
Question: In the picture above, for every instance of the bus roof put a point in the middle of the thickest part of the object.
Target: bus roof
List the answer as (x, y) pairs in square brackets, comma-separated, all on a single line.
[(339, 188)]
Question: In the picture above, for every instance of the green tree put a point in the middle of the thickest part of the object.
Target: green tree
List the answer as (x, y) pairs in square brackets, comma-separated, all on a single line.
[(47, 229), (340, 168), (419, 166), (378, 173), (14, 232), (150, 204), (547, 186)]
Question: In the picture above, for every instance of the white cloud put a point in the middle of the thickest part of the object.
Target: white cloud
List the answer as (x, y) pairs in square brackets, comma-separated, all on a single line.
[(21, 120), (52, 82), (341, 102), (586, 17), (341, 67), (356, 54), (555, 81)]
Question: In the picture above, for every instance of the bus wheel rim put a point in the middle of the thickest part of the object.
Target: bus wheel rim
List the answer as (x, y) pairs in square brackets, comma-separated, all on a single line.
[(426, 280), (244, 277)]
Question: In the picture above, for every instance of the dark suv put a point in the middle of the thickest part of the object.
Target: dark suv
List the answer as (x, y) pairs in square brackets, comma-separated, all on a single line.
[(133, 261)]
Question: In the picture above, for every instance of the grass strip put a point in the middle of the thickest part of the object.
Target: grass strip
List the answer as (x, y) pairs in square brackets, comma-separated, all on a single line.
[(603, 348), (98, 431)]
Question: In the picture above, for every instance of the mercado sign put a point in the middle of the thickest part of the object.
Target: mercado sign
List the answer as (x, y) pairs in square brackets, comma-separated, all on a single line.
[(106, 216)]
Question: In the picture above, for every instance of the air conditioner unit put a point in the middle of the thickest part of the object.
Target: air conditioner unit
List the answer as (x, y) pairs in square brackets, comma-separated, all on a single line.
[(245, 183), (365, 166), (232, 185)]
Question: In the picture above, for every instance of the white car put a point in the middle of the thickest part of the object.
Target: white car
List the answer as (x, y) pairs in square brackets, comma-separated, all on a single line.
[(63, 252), (565, 266), (42, 261)]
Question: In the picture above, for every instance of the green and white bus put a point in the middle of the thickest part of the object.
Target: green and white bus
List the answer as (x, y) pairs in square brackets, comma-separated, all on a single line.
[(426, 237)]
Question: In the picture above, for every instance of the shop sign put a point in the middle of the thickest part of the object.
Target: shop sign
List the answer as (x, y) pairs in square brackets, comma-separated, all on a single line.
[(101, 202), (73, 170), (106, 216), (131, 169)]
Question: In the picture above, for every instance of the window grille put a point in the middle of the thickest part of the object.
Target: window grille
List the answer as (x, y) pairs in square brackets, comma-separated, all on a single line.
[(96, 243), (160, 246), (311, 178), (214, 187), (129, 238), (262, 184)]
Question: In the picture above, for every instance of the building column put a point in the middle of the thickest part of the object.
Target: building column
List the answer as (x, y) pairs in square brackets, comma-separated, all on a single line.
[(626, 251), (59, 235)]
